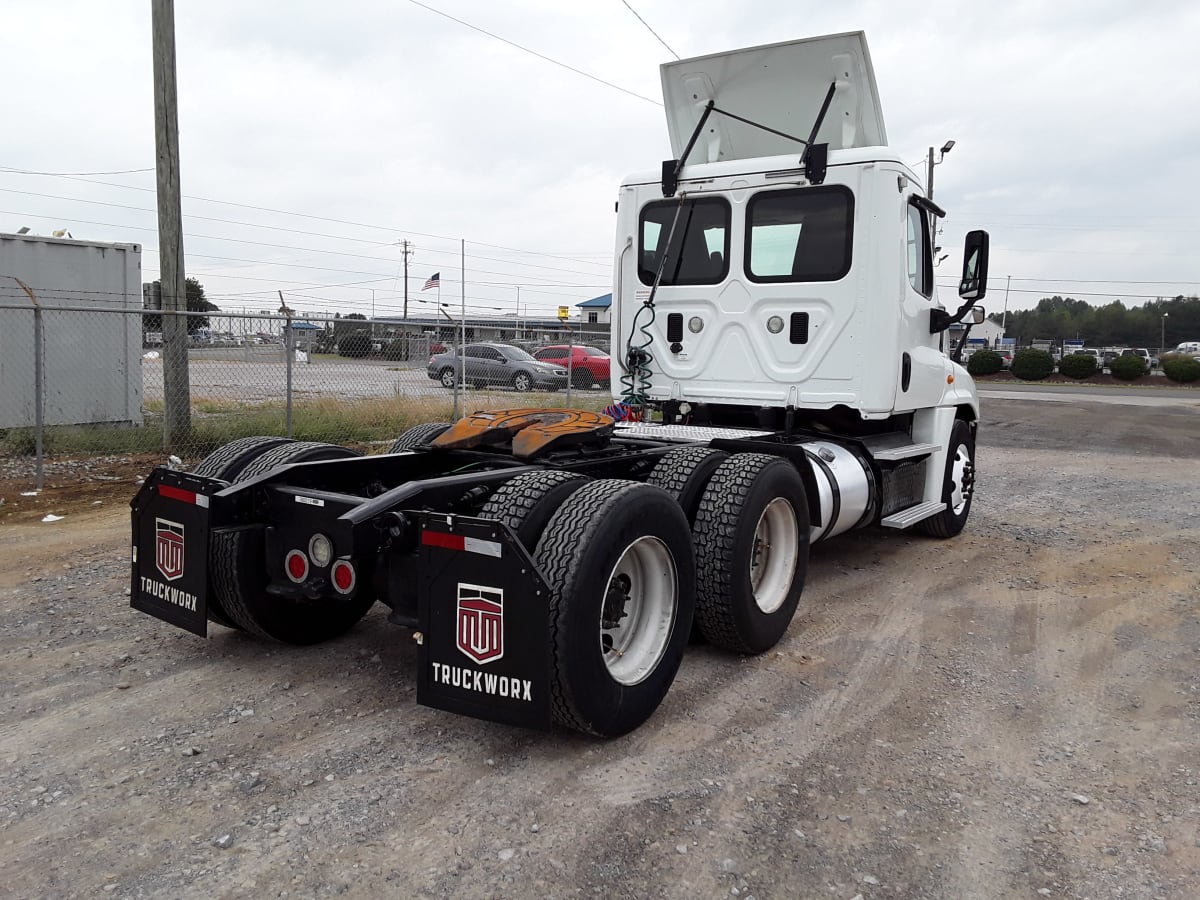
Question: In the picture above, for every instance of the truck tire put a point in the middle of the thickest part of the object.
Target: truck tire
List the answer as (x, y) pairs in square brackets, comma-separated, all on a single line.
[(526, 503), (684, 474), (958, 485), (227, 461), (417, 435), (619, 563), (751, 534), (292, 452), (237, 570)]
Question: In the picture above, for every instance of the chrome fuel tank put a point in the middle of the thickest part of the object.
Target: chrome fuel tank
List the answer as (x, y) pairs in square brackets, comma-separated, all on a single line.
[(845, 485)]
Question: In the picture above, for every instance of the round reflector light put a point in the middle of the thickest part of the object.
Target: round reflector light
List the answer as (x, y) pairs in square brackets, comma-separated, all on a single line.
[(320, 548), (343, 576), (296, 566), (775, 324)]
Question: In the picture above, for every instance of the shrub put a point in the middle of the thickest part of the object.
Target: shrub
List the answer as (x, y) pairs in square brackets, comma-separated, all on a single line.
[(1183, 369), (1127, 368), (357, 343), (1032, 365), (1078, 365), (984, 362)]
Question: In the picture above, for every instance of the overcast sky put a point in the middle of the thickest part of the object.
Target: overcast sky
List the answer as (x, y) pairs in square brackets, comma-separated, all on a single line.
[(1075, 123)]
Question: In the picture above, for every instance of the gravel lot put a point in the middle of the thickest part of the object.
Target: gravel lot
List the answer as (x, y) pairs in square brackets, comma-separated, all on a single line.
[(1013, 713)]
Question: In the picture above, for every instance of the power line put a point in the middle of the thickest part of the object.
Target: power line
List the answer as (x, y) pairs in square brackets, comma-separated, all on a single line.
[(71, 174), (212, 237), (649, 29), (999, 279), (300, 215), (374, 243), (541, 56)]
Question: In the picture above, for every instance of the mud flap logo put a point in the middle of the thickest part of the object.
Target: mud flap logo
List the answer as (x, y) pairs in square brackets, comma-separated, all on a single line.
[(480, 622), (168, 548)]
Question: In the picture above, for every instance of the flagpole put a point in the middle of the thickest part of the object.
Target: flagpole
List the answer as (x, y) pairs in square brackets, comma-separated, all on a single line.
[(462, 325), (458, 354)]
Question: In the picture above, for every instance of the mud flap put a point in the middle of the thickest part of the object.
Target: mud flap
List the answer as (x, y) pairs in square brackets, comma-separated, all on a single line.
[(169, 577), (483, 617)]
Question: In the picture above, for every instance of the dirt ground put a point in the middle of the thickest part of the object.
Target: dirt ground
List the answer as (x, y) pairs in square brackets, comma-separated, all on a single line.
[(1013, 713)]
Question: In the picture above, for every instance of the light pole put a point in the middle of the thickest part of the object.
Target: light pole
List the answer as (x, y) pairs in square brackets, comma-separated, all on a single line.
[(946, 148), (1162, 333), (1004, 315)]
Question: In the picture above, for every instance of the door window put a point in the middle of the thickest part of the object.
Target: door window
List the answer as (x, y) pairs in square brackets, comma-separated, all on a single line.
[(920, 261)]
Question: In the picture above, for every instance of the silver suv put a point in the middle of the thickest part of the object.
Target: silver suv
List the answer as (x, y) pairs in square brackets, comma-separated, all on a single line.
[(497, 364)]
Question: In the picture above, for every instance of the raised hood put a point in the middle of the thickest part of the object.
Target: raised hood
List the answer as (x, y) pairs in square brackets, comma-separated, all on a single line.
[(781, 86)]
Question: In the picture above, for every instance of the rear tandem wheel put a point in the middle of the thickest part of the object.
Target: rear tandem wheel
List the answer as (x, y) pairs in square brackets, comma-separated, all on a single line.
[(238, 570), (751, 534), (619, 562), (225, 463)]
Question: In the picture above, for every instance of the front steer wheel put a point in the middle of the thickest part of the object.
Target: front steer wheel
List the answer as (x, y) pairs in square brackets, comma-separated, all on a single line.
[(958, 485), (618, 559)]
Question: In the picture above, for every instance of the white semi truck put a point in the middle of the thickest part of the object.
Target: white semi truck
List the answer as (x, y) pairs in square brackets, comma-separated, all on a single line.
[(779, 342)]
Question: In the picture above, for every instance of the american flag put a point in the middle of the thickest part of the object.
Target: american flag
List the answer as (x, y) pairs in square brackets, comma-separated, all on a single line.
[(433, 281)]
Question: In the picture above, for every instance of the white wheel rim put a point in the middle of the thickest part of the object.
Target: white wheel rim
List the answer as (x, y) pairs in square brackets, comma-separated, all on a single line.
[(646, 580), (774, 554), (448, 378), (959, 495), (522, 382)]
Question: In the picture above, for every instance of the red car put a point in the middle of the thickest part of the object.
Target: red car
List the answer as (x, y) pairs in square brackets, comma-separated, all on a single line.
[(588, 365)]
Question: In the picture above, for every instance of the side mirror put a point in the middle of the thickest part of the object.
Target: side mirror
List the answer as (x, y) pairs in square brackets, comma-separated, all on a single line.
[(977, 315), (973, 284)]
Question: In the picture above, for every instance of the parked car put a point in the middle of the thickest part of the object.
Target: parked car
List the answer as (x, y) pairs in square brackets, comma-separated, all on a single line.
[(497, 364), (1005, 358), (588, 366), (1150, 361)]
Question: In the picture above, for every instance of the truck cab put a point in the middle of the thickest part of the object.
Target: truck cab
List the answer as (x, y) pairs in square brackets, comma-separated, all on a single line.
[(779, 285)]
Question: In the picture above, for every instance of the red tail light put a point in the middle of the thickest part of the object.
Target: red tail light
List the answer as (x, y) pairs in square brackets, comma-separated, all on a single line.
[(296, 566), (343, 576)]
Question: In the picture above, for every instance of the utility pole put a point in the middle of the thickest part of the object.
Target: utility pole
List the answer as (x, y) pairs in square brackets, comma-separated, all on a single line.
[(1004, 315), (407, 251), (177, 402)]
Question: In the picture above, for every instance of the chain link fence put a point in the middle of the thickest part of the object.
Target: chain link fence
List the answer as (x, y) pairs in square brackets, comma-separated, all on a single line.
[(82, 378)]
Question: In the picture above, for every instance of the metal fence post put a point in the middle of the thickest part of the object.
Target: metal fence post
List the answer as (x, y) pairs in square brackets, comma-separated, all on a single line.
[(289, 352), (570, 361), (39, 386)]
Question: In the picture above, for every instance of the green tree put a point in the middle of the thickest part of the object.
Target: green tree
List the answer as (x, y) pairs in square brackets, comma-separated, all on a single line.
[(196, 302)]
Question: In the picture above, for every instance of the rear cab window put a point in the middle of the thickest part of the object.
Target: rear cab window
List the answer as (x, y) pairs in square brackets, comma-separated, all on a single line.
[(797, 235), (699, 251)]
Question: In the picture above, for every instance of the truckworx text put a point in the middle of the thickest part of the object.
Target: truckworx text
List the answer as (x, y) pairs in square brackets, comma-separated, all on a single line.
[(778, 355)]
